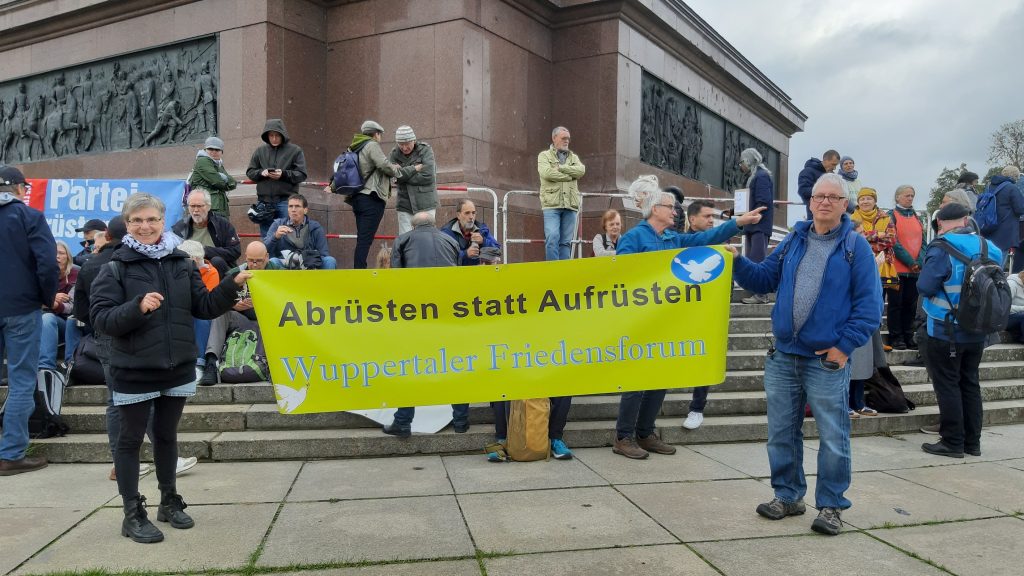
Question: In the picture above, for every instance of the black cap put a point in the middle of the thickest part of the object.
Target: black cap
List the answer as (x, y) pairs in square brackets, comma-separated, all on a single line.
[(117, 229), (94, 225), (952, 212), (10, 176)]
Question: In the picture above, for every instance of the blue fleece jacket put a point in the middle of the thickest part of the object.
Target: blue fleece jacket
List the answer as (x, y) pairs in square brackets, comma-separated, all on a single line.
[(849, 305), (643, 238), (29, 264)]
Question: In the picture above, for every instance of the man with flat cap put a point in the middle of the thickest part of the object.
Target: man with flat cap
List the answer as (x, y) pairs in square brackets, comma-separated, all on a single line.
[(89, 232)]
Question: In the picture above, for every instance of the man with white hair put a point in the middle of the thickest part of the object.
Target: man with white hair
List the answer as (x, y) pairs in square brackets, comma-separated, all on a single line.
[(829, 302), (216, 233), (417, 177), (635, 435)]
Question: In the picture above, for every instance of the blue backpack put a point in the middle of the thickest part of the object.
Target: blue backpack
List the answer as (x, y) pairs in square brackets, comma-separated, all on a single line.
[(347, 178), (985, 212)]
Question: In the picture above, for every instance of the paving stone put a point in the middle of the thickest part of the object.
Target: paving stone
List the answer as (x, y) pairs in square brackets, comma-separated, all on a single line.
[(695, 511), (226, 535), (986, 483), (1018, 463), (26, 530), (78, 486), (880, 499), (446, 568), (988, 547), (371, 478), (850, 554), (367, 530), (999, 443), (684, 465), (662, 560), (551, 520), (475, 474), (238, 482), (751, 458), (872, 453)]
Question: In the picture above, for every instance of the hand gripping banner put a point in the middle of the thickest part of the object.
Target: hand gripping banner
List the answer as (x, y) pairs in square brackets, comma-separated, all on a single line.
[(355, 339)]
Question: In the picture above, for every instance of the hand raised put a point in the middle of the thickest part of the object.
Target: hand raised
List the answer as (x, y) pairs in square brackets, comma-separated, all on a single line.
[(150, 302)]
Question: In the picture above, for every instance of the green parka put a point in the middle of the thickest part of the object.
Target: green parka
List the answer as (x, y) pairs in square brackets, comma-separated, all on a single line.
[(212, 177), (417, 189)]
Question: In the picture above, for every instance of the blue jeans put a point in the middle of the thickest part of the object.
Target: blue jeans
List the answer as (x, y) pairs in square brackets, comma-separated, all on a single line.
[(330, 262), (202, 329), (790, 382), (50, 336), (559, 230), (280, 211), (700, 399), (460, 415), (637, 411), (19, 338)]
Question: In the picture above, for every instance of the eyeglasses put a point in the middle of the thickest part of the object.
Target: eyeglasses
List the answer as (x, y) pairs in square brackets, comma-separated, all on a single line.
[(671, 206), (830, 198), (141, 221)]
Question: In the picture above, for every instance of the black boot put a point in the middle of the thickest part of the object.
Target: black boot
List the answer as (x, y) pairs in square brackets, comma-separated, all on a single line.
[(209, 377), (136, 524), (172, 509)]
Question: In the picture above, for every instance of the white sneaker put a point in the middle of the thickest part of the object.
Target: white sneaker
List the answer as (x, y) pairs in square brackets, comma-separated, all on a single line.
[(144, 469), (185, 464), (693, 420)]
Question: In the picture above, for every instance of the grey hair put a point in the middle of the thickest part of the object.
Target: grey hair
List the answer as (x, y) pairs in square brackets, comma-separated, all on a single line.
[(901, 188), (557, 130), (193, 248), (830, 178), (206, 195), (1011, 171), (141, 201), (645, 193), (421, 218), (959, 196)]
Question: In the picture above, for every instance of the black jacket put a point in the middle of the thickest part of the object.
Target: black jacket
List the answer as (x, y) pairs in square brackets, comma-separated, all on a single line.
[(288, 157), (86, 276), (154, 351), (222, 231)]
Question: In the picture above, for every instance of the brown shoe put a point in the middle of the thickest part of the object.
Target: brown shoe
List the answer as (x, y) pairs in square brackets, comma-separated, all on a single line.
[(629, 448), (654, 444), (26, 464)]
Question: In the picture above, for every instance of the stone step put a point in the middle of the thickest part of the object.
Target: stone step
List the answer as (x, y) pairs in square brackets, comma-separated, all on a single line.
[(237, 417), (754, 359), (370, 442)]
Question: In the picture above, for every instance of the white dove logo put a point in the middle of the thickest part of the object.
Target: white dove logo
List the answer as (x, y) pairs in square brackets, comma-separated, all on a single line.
[(698, 265), (288, 399)]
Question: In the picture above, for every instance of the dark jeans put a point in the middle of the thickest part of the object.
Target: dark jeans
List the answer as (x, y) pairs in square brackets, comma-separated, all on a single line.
[(460, 415), (856, 395), (956, 387), (556, 421), (280, 211), (700, 399), (166, 412), (368, 210), (757, 246), (637, 412), (902, 308), (1015, 326)]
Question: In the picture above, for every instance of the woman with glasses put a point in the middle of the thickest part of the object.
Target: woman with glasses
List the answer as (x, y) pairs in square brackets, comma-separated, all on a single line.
[(145, 299)]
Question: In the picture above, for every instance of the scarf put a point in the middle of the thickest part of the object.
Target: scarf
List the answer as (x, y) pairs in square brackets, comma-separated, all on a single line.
[(168, 242), (869, 216), (851, 175), (205, 154)]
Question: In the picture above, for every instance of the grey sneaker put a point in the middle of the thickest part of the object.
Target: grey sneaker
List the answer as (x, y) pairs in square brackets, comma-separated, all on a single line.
[(827, 522), (777, 509), (756, 299), (933, 429)]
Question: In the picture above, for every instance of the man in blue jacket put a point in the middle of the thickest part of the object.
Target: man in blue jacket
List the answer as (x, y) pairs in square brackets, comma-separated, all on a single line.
[(829, 302), (299, 234), (814, 169), (473, 236), (29, 269), (952, 354), (635, 435)]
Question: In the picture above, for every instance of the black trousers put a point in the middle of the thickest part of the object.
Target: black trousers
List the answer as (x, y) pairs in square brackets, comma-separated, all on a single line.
[(902, 308), (166, 412), (956, 387), (556, 421), (368, 210)]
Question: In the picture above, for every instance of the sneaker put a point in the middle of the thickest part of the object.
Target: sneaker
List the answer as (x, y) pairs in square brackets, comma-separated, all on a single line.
[(941, 449), (209, 377), (933, 429), (693, 420), (629, 448), (559, 451), (497, 453), (654, 444), (185, 464), (756, 299), (828, 522), (395, 430), (777, 509)]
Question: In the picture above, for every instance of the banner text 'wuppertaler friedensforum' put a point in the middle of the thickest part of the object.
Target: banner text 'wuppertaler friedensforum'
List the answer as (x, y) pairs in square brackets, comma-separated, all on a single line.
[(357, 339)]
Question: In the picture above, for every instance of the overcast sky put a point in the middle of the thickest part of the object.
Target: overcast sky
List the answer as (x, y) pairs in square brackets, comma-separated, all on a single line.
[(904, 87)]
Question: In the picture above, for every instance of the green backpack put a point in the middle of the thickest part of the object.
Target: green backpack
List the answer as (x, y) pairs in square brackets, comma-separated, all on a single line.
[(244, 359)]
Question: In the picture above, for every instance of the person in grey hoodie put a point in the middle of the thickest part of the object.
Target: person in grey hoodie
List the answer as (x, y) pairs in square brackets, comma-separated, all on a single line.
[(277, 167)]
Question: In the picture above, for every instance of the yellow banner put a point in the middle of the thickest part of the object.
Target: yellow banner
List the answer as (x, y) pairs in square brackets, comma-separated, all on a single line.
[(358, 339)]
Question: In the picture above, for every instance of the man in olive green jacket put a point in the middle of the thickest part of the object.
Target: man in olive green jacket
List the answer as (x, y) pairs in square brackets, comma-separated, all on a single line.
[(368, 204), (560, 171), (209, 174), (417, 180)]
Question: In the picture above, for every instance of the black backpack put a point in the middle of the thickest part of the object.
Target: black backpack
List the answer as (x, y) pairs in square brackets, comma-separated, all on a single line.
[(85, 367), (985, 296), (883, 393), (45, 420)]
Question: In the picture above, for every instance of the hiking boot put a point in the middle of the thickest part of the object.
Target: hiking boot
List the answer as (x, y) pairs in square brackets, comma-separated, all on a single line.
[(460, 428), (184, 465), (396, 430), (559, 451), (26, 464), (654, 444), (828, 522), (942, 449), (172, 510), (932, 429), (777, 509), (136, 524), (629, 448), (209, 377), (693, 420)]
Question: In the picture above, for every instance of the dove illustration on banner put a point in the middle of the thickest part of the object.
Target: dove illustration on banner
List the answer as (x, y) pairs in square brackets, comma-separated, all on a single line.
[(699, 265), (288, 399)]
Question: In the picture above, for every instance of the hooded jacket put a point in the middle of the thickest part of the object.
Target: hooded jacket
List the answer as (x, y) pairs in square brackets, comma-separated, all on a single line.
[(225, 240), (288, 157), (210, 175), (29, 265), (417, 189), (154, 351), (1009, 209), (373, 166), (813, 169)]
